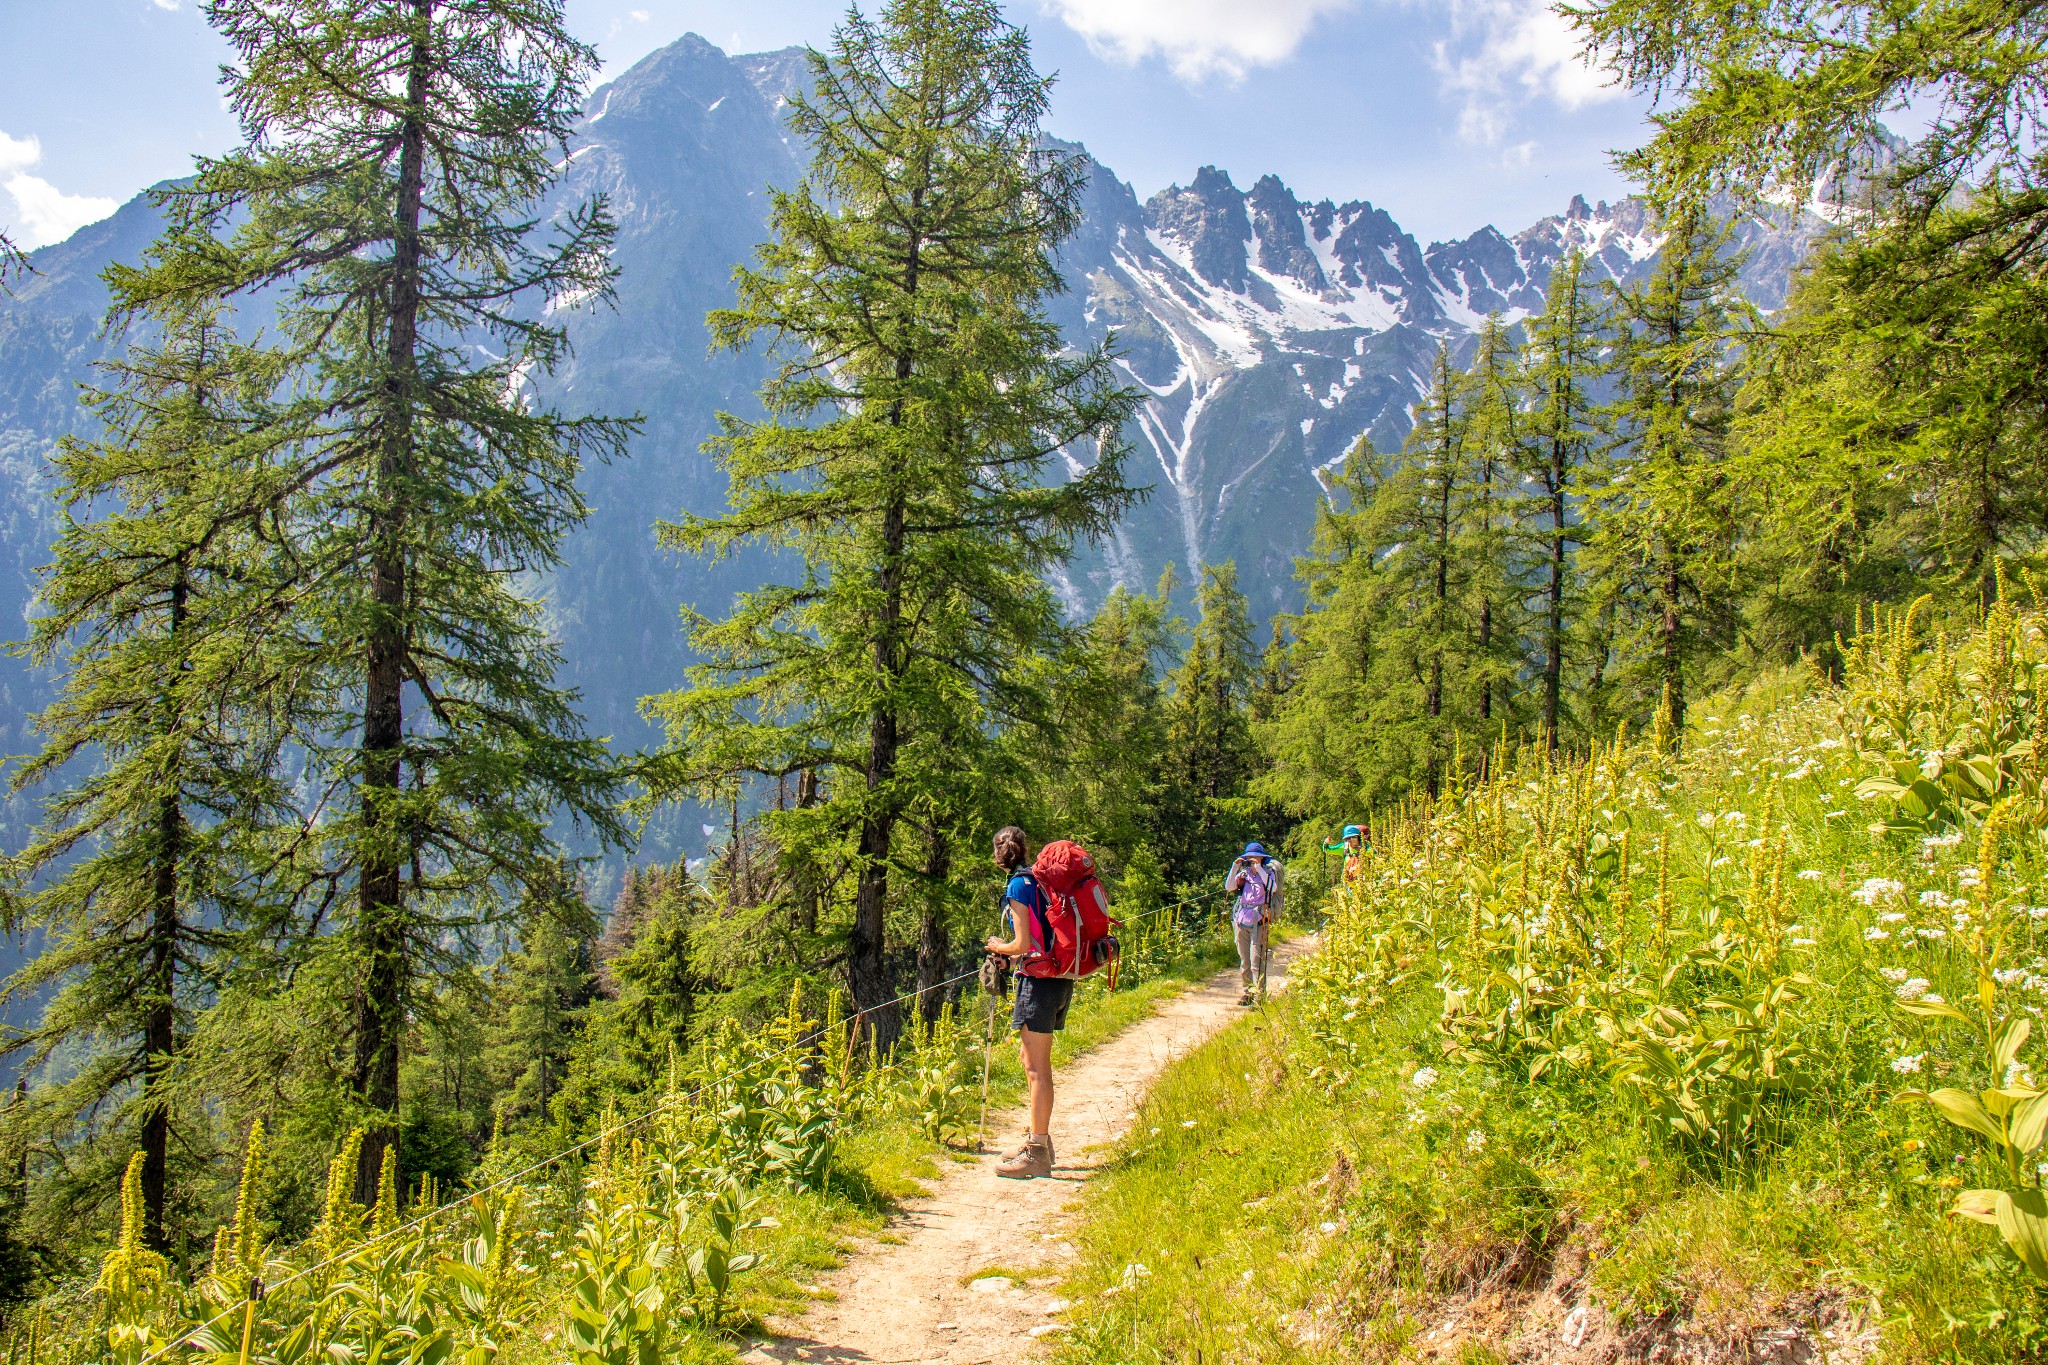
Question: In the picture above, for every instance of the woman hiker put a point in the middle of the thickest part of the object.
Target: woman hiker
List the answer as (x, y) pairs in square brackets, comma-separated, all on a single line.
[(1041, 1009), (1352, 845), (1255, 879)]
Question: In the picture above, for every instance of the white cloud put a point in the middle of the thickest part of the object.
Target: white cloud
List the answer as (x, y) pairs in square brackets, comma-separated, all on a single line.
[(1198, 38), (638, 16), (171, 5), (44, 213), (1506, 53)]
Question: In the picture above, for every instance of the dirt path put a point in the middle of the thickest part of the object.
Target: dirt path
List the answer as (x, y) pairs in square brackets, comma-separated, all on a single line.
[(902, 1302)]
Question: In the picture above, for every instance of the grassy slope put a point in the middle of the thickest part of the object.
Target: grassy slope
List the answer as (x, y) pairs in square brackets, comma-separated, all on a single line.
[(1330, 1200)]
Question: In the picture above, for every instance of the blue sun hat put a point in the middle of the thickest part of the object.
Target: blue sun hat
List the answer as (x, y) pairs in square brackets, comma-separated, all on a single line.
[(1255, 849), (1350, 830)]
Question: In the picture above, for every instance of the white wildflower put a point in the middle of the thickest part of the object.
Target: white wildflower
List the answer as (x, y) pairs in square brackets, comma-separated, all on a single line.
[(1969, 876), (1804, 943), (1475, 1141), (1136, 1271), (1875, 889), (1890, 917), (1937, 899), (1425, 1078), (1892, 973), (1810, 874), (1875, 935), (1913, 988), (1948, 840), (1706, 819), (1909, 1063), (1933, 999), (1932, 933)]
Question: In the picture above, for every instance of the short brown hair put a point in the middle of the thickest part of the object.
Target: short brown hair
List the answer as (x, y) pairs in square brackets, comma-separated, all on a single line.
[(1012, 849)]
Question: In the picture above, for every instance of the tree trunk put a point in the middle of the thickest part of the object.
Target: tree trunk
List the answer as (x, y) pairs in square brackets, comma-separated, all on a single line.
[(159, 1018), (934, 949), (810, 897), (1486, 659), (1987, 532), (1674, 658), (379, 1021), (867, 961)]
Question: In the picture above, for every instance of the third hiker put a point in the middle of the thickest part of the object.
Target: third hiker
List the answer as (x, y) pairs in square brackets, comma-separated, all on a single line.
[(1255, 878)]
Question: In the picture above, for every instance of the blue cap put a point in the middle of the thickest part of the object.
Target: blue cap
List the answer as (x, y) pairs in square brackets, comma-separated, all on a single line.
[(1350, 830), (1255, 849)]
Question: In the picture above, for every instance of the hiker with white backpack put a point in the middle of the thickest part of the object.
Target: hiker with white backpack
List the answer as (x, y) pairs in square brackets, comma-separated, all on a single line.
[(1256, 878), (1059, 923)]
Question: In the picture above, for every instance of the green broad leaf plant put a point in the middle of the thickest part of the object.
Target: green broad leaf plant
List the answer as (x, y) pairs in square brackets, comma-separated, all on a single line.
[(2011, 1114)]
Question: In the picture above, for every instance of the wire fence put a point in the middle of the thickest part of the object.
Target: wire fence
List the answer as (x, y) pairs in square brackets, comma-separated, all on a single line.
[(257, 1290)]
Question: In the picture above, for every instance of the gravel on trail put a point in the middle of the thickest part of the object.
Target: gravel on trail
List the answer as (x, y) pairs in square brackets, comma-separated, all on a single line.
[(905, 1301)]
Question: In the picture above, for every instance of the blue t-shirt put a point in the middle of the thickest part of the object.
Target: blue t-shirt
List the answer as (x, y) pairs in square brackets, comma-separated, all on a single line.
[(1024, 890)]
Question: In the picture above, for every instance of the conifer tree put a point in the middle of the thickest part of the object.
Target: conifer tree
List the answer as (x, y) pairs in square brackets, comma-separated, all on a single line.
[(1349, 732), (1435, 453), (1489, 495), (1562, 364), (922, 396), (396, 151), (1662, 513), (1207, 757), (164, 604), (1102, 764), (541, 995), (649, 985)]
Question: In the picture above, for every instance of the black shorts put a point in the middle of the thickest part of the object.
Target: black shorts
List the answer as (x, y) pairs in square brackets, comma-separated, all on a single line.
[(1042, 1003)]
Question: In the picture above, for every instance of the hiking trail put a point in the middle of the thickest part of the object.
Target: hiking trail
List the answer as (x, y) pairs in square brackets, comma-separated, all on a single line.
[(903, 1301)]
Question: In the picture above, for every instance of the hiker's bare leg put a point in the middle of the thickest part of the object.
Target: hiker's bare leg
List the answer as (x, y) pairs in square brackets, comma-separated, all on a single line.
[(1036, 1051)]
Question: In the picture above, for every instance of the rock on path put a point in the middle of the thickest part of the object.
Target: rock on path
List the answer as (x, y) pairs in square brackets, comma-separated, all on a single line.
[(904, 1302)]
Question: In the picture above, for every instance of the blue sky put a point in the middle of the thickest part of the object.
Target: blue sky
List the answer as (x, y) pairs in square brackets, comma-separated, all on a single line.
[(1448, 113)]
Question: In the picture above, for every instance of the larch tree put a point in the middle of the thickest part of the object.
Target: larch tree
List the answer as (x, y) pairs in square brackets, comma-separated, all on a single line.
[(1662, 511), (922, 399), (1561, 365), (1207, 757), (167, 604), (1489, 505), (1913, 360), (389, 197)]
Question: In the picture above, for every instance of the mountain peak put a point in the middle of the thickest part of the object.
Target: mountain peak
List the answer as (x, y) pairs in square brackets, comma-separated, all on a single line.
[(1208, 218)]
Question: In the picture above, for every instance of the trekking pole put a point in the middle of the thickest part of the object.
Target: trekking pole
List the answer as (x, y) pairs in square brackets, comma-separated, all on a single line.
[(987, 1050), (995, 985)]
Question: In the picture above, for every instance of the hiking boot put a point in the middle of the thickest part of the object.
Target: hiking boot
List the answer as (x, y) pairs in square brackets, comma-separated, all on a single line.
[(1245, 999), (1032, 1160)]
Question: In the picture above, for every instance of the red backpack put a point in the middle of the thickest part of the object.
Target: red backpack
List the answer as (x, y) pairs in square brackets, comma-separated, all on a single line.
[(1074, 926)]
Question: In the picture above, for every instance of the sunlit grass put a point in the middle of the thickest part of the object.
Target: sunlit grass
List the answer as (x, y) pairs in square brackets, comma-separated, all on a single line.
[(1337, 1179)]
